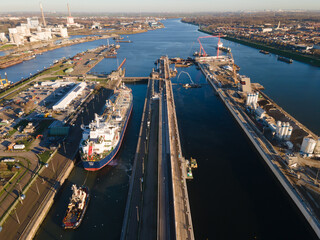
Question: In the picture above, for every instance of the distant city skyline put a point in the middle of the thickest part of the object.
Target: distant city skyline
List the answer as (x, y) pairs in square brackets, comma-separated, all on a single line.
[(158, 6)]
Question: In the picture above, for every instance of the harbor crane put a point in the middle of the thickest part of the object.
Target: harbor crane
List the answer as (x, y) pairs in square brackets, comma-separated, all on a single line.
[(202, 52), (235, 78)]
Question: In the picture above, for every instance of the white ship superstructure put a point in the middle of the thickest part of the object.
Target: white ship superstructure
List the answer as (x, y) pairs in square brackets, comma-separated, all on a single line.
[(102, 137)]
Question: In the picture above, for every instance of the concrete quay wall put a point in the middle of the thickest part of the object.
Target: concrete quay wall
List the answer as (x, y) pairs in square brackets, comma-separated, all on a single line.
[(297, 199), (34, 224), (178, 164)]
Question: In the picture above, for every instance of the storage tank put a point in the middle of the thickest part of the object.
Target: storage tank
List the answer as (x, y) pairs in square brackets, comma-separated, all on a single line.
[(308, 145), (286, 129), (283, 128), (316, 150), (248, 99), (251, 98), (255, 98), (278, 128), (287, 137)]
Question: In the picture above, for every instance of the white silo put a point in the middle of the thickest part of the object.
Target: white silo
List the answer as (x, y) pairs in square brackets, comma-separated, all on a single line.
[(248, 99), (251, 98), (316, 150), (286, 129), (256, 95), (283, 128), (308, 145), (287, 137), (278, 129)]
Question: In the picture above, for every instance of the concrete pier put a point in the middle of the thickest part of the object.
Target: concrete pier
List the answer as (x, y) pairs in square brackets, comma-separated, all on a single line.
[(132, 219), (159, 162), (268, 152)]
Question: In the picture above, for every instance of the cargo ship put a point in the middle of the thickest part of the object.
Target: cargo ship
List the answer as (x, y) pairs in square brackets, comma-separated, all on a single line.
[(76, 208), (284, 59), (102, 138)]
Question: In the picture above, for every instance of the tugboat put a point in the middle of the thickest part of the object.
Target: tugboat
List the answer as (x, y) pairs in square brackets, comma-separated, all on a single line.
[(191, 85), (76, 208)]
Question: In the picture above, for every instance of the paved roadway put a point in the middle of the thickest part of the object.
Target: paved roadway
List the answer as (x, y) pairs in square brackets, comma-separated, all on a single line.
[(30, 166), (141, 221), (132, 218), (165, 207), (148, 223), (182, 214), (147, 214), (82, 67)]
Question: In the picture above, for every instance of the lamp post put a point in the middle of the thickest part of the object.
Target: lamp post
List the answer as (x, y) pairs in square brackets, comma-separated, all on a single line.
[(137, 213)]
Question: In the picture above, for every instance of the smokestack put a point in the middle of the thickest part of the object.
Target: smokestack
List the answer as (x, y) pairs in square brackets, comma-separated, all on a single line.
[(43, 20), (69, 10)]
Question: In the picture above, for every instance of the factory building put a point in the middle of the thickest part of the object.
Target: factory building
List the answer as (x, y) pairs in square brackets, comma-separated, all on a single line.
[(55, 84), (63, 103), (15, 37), (33, 22), (41, 35), (3, 38), (245, 84), (18, 34), (64, 32), (260, 112)]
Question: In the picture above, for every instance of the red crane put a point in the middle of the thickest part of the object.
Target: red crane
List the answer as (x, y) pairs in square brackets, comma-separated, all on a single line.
[(202, 52), (122, 64)]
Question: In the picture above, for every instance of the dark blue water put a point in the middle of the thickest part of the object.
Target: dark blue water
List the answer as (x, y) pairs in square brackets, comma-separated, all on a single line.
[(233, 194), (23, 70)]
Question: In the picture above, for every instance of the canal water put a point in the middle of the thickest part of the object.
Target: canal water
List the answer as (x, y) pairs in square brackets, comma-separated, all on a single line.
[(233, 194)]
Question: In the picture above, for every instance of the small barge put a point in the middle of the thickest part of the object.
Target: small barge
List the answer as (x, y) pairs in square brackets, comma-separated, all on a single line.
[(284, 59)]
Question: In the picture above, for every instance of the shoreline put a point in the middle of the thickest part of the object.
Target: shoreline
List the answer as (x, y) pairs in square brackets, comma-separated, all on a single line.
[(285, 53), (5, 63)]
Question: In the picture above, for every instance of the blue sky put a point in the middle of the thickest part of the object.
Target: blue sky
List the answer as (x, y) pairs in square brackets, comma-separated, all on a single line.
[(157, 5)]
